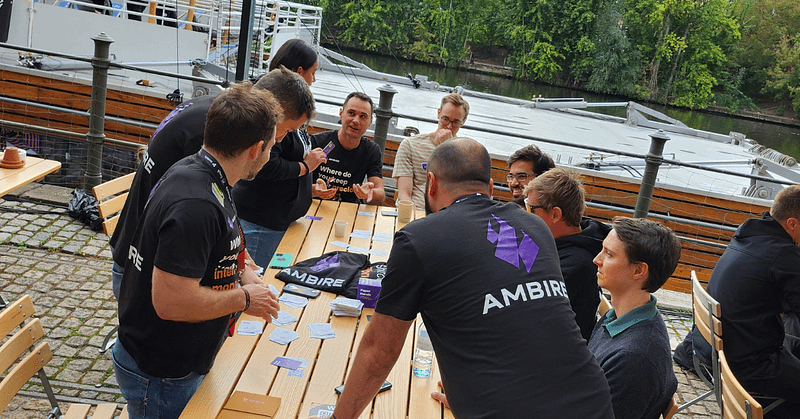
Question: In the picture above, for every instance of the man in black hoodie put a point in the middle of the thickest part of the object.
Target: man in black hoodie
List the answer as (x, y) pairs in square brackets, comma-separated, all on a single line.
[(557, 197), (755, 280)]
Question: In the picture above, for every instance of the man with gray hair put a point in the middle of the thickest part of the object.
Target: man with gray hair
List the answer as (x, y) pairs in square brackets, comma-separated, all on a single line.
[(484, 276), (755, 280), (557, 197)]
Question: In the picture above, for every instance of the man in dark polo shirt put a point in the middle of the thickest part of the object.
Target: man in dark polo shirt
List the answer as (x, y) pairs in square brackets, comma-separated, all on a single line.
[(180, 287), (485, 277)]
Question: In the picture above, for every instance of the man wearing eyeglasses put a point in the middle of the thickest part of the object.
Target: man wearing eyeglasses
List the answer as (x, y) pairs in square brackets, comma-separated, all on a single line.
[(558, 197), (524, 165), (411, 161)]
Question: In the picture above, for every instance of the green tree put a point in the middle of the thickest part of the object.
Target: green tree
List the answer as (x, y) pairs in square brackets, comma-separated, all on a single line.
[(783, 79)]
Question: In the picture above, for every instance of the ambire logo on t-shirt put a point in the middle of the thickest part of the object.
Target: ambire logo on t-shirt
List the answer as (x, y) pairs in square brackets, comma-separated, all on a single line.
[(327, 263), (507, 249)]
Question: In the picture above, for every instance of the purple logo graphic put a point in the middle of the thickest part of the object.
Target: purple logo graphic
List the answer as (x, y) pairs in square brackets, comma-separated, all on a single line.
[(327, 263), (507, 249)]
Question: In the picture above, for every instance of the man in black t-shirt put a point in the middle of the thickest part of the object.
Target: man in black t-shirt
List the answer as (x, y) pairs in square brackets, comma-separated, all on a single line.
[(351, 156), (185, 261), (486, 279), (180, 134)]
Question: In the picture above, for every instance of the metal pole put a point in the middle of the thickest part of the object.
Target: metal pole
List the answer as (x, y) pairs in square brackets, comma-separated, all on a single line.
[(245, 39), (97, 112), (383, 115), (653, 160)]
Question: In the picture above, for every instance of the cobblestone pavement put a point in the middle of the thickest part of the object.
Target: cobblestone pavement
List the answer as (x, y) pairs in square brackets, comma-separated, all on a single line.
[(65, 267)]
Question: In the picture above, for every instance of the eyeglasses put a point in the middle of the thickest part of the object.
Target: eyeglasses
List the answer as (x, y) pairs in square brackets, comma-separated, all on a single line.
[(454, 122), (520, 177), (530, 207)]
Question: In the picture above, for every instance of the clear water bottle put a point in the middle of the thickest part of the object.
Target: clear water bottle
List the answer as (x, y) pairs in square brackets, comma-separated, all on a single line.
[(423, 353)]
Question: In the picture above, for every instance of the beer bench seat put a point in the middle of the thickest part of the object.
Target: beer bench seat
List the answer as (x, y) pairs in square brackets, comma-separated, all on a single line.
[(111, 197), (23, 344)]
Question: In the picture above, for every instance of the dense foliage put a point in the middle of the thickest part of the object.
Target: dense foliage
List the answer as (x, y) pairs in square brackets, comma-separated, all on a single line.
[(693, 53)]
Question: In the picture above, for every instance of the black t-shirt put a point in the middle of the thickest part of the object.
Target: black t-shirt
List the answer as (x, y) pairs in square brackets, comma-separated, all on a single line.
[(189, 228), (180, 134), (486, 278), (277, 196), (346, 167)]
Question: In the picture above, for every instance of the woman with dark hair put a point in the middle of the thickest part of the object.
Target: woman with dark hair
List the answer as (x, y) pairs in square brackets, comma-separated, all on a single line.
[(282, 191), (298, 56)]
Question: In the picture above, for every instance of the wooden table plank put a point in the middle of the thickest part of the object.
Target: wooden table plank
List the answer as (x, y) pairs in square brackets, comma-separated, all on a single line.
[(420, 403), (392, 404), (218, 384), (34, 169)]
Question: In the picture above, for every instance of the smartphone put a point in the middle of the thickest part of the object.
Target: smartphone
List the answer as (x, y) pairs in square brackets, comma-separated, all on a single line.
[(386, 385), (281, 260), (301, 290)]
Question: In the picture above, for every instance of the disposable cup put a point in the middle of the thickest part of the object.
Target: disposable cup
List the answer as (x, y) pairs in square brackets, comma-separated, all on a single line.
[(340, 227), (405, 209)]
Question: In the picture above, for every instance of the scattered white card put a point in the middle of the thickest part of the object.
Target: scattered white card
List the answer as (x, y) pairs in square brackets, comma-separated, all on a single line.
[(360, 234), (283, 336), (366, 214), (303, 361), (358, 250), (382, 237), (293, 301), (284, 319), (250, 328), (274, 290), (377, 252), (340, 244), (321, 331)]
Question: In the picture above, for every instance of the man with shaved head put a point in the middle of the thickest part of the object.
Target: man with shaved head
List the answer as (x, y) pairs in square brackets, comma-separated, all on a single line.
[(485, 276)]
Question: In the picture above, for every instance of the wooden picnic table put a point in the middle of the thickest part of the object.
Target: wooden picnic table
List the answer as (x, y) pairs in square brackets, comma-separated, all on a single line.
[(244, 362), (34, 169)]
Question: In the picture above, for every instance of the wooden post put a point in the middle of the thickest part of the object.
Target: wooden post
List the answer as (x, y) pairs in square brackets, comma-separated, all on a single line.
[(152, 12), (190, 14)]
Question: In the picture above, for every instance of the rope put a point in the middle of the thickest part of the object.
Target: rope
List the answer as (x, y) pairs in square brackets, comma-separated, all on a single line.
[(360, 88)]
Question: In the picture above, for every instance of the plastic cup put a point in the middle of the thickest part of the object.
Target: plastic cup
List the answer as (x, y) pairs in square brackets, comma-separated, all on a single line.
[(405, 209), (340, 227)]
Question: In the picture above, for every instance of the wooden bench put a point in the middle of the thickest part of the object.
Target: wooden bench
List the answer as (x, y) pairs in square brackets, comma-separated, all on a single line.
[(110, 200), (19, 315)]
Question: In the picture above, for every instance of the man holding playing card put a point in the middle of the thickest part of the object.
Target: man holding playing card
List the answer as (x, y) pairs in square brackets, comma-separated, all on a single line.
[(485, 277), (351, 156), (181, 284)]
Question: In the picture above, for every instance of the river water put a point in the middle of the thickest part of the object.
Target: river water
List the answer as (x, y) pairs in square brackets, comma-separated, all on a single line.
[(779, 137)]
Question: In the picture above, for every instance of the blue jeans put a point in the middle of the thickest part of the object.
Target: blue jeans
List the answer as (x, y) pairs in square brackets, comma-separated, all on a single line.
[(151, 397), (261, 242), (116, 279)]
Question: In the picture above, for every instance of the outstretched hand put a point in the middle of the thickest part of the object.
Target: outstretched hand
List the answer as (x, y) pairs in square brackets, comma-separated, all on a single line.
[(364, 191), (320, 190)]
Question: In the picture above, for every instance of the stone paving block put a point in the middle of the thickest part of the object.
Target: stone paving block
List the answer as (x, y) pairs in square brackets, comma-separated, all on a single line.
[(76, 341), (92, 378), (96, 341), (96, 322), (87, 331), (81, 365), (83, 313), (70, 376), (89, 352), (104, 365), (59, 332)]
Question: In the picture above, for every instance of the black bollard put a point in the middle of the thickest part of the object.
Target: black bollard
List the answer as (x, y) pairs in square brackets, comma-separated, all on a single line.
[(382, 115), (653, 160), (97, 111)]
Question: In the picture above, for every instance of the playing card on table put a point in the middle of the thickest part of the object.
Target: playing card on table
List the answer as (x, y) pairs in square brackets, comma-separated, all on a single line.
[(274, 290), (283, 336), (342, 306), (382, 237), (340, 244), (250, 328), (293, 301), (353, 249), (360, 234), (321, 331), (366, 214), (284, 362), (284, 319)]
